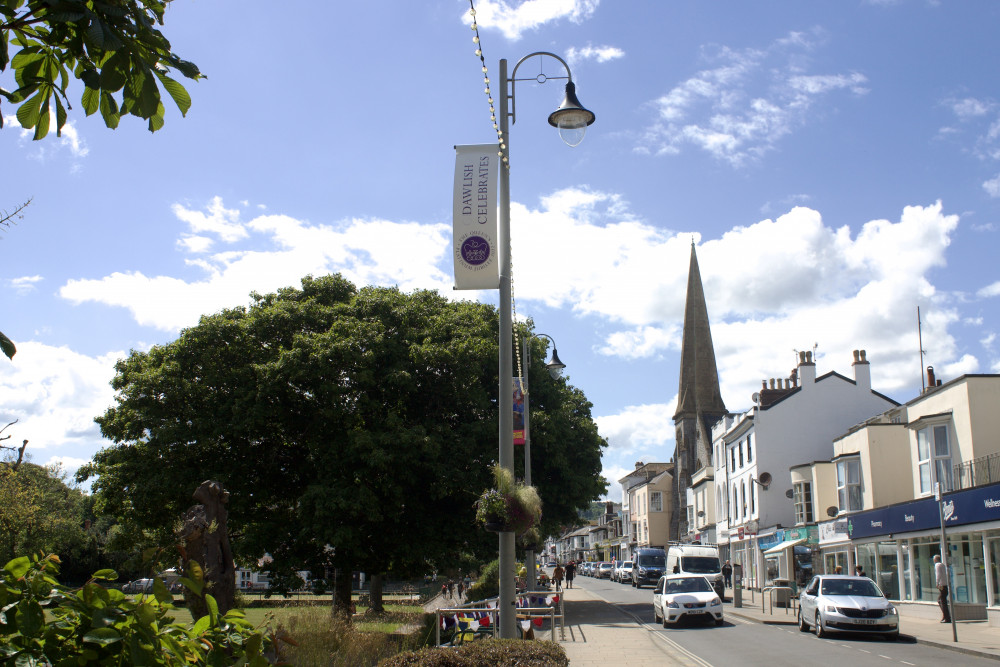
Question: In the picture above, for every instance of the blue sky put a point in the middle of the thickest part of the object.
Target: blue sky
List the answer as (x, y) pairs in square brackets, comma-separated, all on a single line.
[(837, 164)]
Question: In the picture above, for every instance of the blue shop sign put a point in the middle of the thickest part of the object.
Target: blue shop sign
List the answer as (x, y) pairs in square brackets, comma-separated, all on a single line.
[(960, 508), (765, 542)]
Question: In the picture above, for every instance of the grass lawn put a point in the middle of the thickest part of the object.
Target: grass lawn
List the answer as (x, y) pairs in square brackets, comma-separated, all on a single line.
[(396, 615)]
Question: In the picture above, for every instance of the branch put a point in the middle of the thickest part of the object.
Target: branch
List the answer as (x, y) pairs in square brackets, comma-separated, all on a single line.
[(7, 218)]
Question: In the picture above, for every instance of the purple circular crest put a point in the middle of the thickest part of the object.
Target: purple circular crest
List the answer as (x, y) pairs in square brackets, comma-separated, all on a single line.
[(475, 250)]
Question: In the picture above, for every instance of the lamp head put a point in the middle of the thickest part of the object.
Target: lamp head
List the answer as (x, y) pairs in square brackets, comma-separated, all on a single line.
[(571, 117), (555, 365)]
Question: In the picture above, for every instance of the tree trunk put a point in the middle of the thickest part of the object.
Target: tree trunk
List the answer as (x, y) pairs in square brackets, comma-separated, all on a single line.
[(342, 604), (376, 607)]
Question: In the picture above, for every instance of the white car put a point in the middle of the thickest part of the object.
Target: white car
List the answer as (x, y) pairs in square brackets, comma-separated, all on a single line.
[(623, 572), (685, 596), (833, 602)]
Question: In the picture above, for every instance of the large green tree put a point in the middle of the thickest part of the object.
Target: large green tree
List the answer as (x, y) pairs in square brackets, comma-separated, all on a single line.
[(113, 46), (353, 427)]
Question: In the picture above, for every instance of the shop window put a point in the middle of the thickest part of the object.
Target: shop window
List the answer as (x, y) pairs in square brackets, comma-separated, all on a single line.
[(802, 495), (849, 485), (934, 458)]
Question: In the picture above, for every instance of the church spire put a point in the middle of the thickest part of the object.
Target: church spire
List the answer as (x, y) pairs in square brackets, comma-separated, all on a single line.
[(698, 391)]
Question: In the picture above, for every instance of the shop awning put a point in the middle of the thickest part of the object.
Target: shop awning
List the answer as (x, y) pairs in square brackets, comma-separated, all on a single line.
[(777, 548)]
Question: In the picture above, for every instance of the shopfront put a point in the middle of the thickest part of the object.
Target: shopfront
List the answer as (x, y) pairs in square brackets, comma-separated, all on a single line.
[(743, 552), (896, 546), (835, 547), (789, 556)]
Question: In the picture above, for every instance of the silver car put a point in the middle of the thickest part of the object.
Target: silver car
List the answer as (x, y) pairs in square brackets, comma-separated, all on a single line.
[(841, 603)]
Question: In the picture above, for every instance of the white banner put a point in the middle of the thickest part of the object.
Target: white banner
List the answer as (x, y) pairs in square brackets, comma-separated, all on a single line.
[(476, 253)]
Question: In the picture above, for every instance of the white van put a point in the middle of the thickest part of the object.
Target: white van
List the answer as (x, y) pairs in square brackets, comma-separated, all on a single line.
[(697, 559)]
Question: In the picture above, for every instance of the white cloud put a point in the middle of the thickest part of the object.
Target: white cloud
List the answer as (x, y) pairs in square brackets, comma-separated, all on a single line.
[(969, 107), (365, 251), (740, 109), (992, 289), (54, 394), (992, 186), (601, 54), (24, 284), (640, 429), (70, 139), (515, 18)]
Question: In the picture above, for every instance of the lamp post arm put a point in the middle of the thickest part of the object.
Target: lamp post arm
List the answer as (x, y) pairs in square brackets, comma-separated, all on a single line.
[(541, 78)]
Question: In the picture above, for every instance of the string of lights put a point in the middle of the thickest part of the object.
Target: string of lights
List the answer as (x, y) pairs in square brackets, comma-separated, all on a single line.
[(502, 153)]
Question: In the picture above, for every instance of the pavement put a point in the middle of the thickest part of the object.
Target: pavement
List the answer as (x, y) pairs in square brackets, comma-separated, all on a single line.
[(598, 633)]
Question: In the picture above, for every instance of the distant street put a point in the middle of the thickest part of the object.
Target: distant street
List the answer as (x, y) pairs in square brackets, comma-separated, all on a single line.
[(746, 642)]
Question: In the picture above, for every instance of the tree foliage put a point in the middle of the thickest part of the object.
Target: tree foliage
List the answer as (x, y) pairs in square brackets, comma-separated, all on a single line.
[(113, 47), (354, 429)]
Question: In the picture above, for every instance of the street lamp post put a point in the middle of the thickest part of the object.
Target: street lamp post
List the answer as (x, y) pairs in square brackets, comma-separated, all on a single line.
[(555, 367), (572, 120)]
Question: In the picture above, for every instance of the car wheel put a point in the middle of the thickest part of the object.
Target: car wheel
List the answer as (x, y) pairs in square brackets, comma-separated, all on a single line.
[(803, 626), (820, 633), (665, 623), (656, 617), (719, 621)]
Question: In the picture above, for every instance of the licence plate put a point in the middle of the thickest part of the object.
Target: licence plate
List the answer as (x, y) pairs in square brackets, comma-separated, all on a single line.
[(696, 611), (865, 621)]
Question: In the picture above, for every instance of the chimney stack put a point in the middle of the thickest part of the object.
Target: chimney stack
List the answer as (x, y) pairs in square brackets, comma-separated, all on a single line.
[(862, 370), (930, 377), (806, 370)]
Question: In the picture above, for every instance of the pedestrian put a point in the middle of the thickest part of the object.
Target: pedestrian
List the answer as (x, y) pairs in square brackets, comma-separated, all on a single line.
[(941, 580), (461, 589), (451, 588), (570, 573), (557, 576), (444, 590), (838, 570), (727, 574), (859, 571)]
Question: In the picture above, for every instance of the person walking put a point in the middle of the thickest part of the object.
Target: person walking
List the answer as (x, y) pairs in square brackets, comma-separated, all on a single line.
[(557, 576), (461, 589), (941, 581), (570, 573), (859, 571), (727, 574)]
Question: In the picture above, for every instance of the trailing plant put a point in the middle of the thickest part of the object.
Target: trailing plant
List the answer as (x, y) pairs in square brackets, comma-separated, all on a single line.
[(509, 505), (45, 623)]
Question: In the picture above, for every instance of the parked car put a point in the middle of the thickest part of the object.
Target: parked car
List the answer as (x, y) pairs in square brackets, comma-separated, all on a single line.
[(588, 569), (685, 596), (648, 566), (623, 572), (603, 570), (843, 603)]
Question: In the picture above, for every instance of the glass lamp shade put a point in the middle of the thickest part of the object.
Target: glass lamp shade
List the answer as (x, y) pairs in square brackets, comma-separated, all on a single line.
[(571, 117)]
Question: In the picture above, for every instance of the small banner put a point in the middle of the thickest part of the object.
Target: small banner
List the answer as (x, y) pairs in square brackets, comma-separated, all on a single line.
[(477, 261), (518, 412)]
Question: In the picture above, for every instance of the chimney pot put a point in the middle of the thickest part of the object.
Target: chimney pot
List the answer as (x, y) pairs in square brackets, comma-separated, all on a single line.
[(857, 356), (863, 359), (930, 377), (772, 383)]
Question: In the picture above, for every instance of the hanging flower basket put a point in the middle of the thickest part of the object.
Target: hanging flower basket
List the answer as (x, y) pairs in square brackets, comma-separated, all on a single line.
[(510, 507)]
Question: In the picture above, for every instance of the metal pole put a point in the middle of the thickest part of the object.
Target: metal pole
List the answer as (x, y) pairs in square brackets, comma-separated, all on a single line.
[(529, 556), (506, 610), (944, 560)]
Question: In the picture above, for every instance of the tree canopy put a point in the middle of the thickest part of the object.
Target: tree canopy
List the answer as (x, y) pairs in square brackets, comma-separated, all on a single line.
[(114, 47), (354, 428)]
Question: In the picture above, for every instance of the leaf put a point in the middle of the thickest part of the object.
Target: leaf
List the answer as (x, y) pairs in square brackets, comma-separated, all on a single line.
[(194, 586), (30, 618), (102, 636), (106, 574), (177, 92), (60, 116), (202, 624), (160, 591), (156, 120), (42, 128), (213, 609), (109, 110), (27, 113), (19, 566), (7, 345)]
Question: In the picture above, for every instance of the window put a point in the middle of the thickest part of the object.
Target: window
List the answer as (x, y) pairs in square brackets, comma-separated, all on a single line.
[(656, 501), (753, 497), (933, 446), (749, 447), (741, 453), (849, 485), (743, 498), (736, 502), (690, 513), (802, 495), (732, 453)]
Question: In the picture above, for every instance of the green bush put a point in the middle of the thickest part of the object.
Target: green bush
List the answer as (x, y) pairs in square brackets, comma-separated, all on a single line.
[(42, 622), (488, 584), (493, 652)]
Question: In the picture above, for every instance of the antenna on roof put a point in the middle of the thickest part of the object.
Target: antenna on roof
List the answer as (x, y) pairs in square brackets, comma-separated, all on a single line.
[(920, 342)]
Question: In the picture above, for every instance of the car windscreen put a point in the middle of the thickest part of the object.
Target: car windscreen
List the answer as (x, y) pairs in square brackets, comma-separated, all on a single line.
[(687, 585), (652, 561), (861, 587), (627, 563), (700, 564)]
